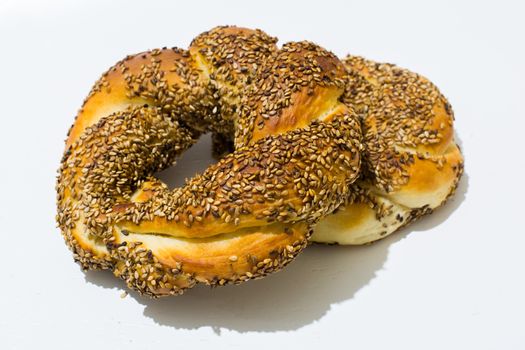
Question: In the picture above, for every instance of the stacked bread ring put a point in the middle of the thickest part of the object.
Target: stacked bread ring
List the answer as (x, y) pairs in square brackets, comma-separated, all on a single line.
[(411, 164), (349, 150)]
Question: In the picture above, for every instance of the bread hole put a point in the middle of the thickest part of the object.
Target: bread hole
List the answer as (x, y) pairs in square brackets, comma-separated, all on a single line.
[(192, 162)]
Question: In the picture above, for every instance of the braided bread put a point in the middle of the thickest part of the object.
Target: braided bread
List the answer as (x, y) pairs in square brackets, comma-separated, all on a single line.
[(287, 123), (297, 152)]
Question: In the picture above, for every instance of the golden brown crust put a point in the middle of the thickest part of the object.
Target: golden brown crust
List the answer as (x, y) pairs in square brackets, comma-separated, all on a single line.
[(275, 105), (104, 166), (138, 80), (224, 259)]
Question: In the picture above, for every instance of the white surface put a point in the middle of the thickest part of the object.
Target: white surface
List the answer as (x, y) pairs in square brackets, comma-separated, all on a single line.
[(454, 280)]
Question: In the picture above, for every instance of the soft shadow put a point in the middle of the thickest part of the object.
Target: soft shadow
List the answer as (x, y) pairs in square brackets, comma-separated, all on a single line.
[(288, 300)]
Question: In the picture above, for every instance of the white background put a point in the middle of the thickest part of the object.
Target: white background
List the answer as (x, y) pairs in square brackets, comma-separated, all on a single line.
[(454, 280)]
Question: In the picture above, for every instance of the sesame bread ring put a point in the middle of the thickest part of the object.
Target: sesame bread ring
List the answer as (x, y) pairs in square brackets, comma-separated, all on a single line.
[(297, 152), (411, 164)]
